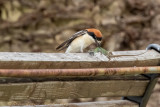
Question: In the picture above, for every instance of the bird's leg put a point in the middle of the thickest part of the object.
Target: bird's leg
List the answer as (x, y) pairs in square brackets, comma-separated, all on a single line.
[(91, 52), (81, 49)]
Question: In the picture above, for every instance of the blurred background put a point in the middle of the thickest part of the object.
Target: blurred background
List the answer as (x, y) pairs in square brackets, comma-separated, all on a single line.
[(40, 25)]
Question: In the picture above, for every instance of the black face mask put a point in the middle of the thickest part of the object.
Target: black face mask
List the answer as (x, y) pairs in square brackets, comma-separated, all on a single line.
[(95, 38)]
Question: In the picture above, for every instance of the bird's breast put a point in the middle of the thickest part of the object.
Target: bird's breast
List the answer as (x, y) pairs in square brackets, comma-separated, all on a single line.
[(79, 43), (88, 40)]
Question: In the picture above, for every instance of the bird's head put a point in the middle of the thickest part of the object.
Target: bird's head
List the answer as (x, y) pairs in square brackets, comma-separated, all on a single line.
[(96, 34)]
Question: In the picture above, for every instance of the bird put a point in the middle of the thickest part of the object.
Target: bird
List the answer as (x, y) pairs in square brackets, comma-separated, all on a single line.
[(81, 40)]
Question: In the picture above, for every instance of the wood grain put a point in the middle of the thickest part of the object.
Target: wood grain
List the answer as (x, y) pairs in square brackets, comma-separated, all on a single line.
[(14, 60), (118, 103), (71, 89), (98, 78)]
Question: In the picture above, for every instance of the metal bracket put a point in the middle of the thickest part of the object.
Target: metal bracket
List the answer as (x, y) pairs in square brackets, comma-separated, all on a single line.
[(142, 100)]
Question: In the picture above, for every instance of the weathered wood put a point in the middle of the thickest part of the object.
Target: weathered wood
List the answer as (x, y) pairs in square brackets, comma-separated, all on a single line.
[(71, 89), (27, 80), (10, 60), (118, 103)]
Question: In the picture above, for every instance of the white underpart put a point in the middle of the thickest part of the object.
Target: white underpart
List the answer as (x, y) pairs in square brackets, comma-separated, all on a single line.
[(80, 43)]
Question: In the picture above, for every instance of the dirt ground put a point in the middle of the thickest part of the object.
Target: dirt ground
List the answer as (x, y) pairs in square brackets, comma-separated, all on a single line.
[(40, 25)]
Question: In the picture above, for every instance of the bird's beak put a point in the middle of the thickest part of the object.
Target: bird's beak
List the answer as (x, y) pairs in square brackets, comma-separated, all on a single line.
[(98, 44)]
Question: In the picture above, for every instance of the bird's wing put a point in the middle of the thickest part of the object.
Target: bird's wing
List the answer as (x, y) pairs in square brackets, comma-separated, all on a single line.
[(66, 43)]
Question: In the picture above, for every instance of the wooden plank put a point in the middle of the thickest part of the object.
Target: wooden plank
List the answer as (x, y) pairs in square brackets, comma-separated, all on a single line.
[(70, 89), (14, 60), (27, 80), (118, 103)]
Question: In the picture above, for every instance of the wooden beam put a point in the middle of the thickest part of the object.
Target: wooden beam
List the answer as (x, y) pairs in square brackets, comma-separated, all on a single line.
[(116, 103), (15, 60), (71, 89)]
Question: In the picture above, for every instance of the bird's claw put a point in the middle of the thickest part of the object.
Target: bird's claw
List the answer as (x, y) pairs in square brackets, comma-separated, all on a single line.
[(91, 53)]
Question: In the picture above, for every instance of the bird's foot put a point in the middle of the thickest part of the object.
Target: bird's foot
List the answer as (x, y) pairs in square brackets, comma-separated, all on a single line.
[(91, 52)]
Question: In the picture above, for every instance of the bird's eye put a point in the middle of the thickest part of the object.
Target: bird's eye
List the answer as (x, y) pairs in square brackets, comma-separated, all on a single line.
[(99, 38)]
